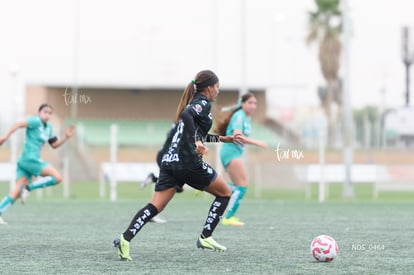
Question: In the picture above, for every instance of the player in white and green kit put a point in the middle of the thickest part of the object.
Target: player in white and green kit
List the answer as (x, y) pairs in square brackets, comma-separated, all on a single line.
[(231, 154), (30, 165)]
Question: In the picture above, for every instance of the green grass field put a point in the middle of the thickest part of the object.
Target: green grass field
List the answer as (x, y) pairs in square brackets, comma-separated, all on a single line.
[(55, 236)]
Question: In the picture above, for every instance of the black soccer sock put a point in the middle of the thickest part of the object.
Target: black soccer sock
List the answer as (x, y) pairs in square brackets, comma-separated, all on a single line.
[(140, 219), (214, 215)]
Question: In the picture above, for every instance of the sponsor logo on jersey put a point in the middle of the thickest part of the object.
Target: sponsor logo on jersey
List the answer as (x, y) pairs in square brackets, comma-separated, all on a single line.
[(43, 133), (239, 120), (197, 108), (170, 158), (246, 129)]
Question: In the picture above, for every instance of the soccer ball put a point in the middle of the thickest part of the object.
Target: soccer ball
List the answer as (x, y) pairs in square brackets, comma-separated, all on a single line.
[(324, 248)]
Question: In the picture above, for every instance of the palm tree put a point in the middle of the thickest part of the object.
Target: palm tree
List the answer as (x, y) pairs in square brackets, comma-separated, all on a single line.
[(325, 29)]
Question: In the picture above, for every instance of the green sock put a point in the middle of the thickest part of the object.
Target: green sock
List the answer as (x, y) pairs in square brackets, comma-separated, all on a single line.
[(5, 203), (42, 183), (235, 200)]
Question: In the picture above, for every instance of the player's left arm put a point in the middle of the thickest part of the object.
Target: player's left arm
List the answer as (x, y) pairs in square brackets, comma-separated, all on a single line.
[(56, 143)]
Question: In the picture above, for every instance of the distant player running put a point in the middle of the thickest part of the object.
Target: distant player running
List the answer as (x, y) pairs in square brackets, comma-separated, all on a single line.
[(239, 122), (29, 165), (152, 178), (181, 163)]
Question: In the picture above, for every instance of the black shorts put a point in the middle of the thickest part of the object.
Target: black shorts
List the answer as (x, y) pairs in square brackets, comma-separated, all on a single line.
[(198, 177)]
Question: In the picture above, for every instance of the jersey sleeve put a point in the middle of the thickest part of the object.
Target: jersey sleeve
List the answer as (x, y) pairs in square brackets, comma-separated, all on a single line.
[(188, 119), (196, 110), (237, 122), (33, 122)]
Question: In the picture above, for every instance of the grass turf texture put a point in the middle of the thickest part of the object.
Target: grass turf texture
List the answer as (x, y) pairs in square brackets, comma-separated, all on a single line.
[(53, 236), (90, 191)]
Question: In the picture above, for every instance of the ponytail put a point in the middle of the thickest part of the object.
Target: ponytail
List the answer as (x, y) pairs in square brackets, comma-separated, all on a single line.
[(221, 127), (202, 80), (186, 98)]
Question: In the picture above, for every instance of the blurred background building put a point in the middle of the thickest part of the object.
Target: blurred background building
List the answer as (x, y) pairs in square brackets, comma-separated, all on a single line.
[(100, 62)]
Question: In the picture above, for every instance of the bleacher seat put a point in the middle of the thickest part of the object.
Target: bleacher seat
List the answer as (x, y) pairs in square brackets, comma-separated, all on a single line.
[(130, 132), (261, 132), (148, 132)]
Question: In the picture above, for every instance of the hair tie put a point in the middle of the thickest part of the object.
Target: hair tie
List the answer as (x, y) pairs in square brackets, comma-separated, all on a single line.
[(193, 81), (239, 102)]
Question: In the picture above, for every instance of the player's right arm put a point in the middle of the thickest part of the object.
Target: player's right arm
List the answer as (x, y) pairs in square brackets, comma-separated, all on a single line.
[(16, 126), (247, 140)]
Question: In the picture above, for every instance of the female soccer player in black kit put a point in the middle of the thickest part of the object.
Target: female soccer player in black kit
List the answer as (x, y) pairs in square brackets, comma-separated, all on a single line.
[(182, 163)]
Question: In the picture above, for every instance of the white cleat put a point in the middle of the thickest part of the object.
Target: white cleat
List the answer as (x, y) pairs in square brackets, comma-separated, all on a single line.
[(157, 219), (24, 193), (148, 180), (2, 221)]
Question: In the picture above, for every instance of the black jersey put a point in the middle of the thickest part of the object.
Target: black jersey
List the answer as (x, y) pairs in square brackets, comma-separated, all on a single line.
[(166, 144), (194, 124)]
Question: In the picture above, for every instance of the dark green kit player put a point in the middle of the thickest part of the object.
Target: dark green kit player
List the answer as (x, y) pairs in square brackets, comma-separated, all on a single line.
[(182, 163), (30, 165)]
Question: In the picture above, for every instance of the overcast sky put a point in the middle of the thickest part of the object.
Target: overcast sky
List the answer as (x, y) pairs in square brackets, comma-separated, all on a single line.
[(164, 43)]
